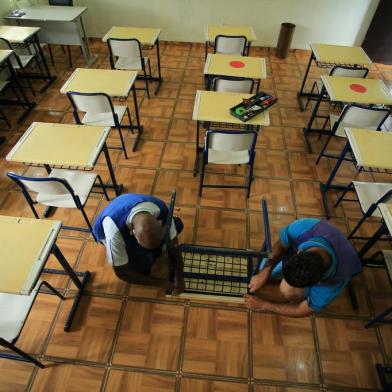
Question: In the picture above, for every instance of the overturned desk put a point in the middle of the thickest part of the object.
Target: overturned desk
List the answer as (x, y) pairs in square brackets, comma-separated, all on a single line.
[(222, 274)]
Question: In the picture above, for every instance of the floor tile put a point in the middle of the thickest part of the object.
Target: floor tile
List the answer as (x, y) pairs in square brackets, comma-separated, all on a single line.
[(14, 375), (216, 343), (150, 336), (139, 382), (283, 349), (92, 331), (349, 353), (197, 385), (70, 378)]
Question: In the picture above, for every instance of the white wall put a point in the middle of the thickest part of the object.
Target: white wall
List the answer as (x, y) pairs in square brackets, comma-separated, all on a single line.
[(343, 22)]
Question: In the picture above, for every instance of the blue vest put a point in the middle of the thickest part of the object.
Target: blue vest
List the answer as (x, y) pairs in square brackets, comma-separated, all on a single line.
[(348, 262), (139, 259)]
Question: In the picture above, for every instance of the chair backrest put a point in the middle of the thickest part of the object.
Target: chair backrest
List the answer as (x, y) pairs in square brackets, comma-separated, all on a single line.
[(129, 48), (47, 185), (15, 60), (90, 102), (220, 140), (350, 72), (230, 44), (68, 3), (362, 117), (234, 85)]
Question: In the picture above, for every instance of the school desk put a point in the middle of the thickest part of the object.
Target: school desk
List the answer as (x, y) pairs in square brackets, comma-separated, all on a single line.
[(369, 149), (236, 66), (348, 90), (21, 266), (214, 107), (61, 25), (115, 83), (146, 36), (326, 56), (67, 146), (28, 38)]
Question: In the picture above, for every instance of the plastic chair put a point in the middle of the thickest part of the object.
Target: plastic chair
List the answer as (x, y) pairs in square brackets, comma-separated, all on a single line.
[(230, 44), (14, 311), (229, 148), (129, 57), (338, 70), (370, 195), (62, 189), (19, 62), (232, 84), (353, 116), (99, 110)]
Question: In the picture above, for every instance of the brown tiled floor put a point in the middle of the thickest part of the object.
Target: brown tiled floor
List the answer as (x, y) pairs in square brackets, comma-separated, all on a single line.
[(133, 338)]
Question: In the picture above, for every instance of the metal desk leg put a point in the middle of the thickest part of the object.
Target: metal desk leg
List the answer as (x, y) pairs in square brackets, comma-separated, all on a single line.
[(380, 318), (160, 79), (325, 187), (197, 151), (48, 75), (308, 128), (301, 93), (206, 50), (139, 127), (80, 284), (117, 188), (85, 46), (376, 236)]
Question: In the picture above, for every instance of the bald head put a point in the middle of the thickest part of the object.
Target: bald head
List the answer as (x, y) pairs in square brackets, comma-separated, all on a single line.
[(147, 230)]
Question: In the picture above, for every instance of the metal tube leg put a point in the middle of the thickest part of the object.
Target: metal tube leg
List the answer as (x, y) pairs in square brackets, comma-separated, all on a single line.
[(196, 164), (376, 236), (68, 269), (25, 357), (301, 90), (379, 318), (139, 127), (160, 79), (51, 288), (117, 188), (311, 119)]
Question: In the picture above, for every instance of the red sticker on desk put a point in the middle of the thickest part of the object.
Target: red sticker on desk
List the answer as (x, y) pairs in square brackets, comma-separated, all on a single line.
[(237, 64), (358, 88)]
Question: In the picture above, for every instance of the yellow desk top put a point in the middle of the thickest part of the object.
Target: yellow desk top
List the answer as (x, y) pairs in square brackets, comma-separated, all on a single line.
[(60, 145), (371, 148), (357, 90), (386, 212), (337, 54), (146, 36), (215, 106), (114, 83), (20, 266), (239, 66), (212, 31), (4, 54), (17, 34)]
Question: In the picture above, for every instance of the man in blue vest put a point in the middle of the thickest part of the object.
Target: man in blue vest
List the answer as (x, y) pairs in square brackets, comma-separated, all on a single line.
[(131, 228), (313, 261)]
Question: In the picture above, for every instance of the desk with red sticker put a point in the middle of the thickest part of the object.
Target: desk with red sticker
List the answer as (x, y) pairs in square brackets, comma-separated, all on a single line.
[(348, 90), (221, 65)]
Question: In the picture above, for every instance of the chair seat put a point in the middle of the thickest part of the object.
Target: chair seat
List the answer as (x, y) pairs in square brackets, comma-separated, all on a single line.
[(388, 261), (369, 193), (24, 59), (81, 182), (130, 63), (104, 119), (228, 157), (3, 84), (14, 310), (333, 118)]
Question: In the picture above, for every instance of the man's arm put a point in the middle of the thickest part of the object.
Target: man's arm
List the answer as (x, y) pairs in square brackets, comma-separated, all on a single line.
[(261, 278), (301, 309), (125, 274)]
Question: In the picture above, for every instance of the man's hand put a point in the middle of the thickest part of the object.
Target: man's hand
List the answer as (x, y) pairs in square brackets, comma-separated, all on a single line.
[(259, 280), (254, 302)]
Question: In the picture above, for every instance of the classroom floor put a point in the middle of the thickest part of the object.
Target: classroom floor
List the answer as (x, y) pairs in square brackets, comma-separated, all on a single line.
[(133, 338)]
